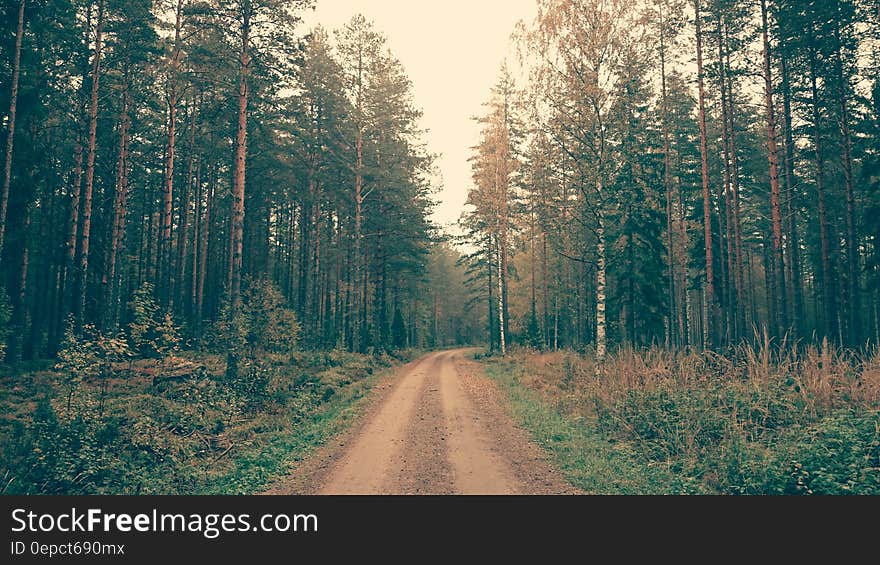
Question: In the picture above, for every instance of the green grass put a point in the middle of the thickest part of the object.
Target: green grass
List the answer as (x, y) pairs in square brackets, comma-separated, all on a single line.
[(586, 459), (256, 468)]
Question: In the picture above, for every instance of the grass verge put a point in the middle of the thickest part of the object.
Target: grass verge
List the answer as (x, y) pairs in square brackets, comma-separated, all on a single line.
[(586, 458)]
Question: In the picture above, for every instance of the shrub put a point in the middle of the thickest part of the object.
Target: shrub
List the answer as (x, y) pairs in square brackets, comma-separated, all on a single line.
[(398, 330), (262, 323), (69, 456), (88, 355), (271, 326), (839, 454), (533, 337), (152, 333)]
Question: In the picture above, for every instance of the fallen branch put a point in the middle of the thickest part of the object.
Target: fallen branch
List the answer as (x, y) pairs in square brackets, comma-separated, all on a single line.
[(227, 450)]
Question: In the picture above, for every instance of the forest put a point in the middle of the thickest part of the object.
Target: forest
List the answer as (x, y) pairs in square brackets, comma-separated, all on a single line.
[(686, 182), (195, 192), (194, 149), (216, 232), (675, 204)]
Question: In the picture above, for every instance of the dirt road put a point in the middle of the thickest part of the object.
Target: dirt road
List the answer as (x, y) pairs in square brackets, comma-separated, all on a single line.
[(436, 427)]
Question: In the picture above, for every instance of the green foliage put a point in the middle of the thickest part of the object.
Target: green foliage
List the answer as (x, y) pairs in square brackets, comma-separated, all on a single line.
[(839, 454), (198, 433), (252, 387), (262, 324), (229, 332), (398, 330), (271, 326), (152, 333), (87, 355), (533, 337), (68, 455)]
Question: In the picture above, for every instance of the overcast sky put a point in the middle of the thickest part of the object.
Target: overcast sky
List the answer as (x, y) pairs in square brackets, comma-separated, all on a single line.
[(452, 51)]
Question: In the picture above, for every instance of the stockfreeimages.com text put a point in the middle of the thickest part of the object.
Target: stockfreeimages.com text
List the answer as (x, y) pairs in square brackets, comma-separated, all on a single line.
[(209, 525)]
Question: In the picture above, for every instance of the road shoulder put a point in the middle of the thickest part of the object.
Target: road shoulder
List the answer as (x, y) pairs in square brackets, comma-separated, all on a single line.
[(307, 475), (530, 464)]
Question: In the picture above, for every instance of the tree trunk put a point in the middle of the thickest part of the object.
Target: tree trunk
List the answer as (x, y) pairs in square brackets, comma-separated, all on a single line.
[(852, 257), (601, 339), (237, 225), (197, 241), (90, 171), (117, 231), (780, 308), (165, 283), (179, 275), (545, 301), (75, 192), (704, 154), (629, 321), (673, 338), (205, 236), (684, 271), (316, 310), (501, 341), (10, 129), (729, 283), (19, 310), (491, 305), (829, 323), (533, 290), (797, 293), (358, 264), (743, 298)]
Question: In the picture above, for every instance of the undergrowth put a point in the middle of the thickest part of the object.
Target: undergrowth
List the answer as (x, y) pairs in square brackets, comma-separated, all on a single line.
[(176, 426), (756, 420)]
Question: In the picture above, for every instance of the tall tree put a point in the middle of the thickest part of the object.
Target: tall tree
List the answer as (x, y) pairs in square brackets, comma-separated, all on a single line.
[(780, 308), (360, 46), (709, 317), (494, 172), (172, 95), (10, 121), (85, 234)]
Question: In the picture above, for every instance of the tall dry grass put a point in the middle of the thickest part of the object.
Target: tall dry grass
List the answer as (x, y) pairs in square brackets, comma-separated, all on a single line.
[(755, 418)]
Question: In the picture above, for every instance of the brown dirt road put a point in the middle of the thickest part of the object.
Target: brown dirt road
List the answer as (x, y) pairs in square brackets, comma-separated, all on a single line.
[(436, 426)]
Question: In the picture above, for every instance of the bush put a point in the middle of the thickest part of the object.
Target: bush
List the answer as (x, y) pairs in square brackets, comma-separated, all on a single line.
[(271, 326), (262, 324), (88, 355), (152, 333), (68, 456), (252, 387), (840, 454), (533, 336), (398, 330)]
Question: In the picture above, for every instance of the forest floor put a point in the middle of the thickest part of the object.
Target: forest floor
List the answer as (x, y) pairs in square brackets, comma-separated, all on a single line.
[(438, 425), (178, 426)]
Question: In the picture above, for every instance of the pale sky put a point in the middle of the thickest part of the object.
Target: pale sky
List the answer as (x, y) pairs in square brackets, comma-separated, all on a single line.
[(452, 51)]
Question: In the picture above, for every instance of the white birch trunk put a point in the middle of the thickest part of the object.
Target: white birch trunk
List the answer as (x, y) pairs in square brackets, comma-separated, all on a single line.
[(501, 303), (601, 338)]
